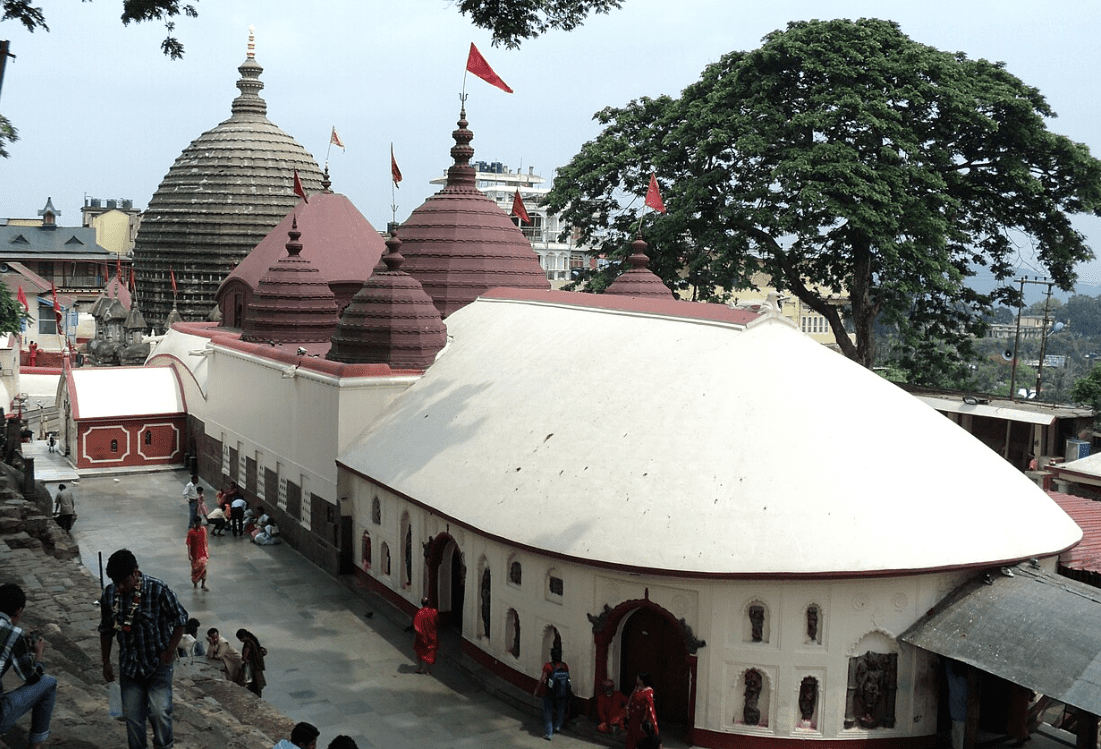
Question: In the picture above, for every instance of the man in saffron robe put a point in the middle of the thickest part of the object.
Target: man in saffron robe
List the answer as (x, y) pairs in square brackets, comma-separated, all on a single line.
[(426, 641)]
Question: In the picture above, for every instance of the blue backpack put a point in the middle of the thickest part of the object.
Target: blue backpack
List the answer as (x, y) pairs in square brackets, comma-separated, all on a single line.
[(559, 682)]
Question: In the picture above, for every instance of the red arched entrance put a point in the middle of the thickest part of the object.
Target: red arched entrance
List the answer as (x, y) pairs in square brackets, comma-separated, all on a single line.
[(446, 580), (652, 640)]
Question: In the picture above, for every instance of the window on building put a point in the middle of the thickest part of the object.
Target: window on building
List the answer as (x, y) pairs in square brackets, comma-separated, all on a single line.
[(376, 511), (385, 559), (366, 551), (515, 573), (114, 446), (486, 601)]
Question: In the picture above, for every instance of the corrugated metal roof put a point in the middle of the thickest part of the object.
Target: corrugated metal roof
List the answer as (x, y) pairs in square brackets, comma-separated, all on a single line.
[(1036, 629), (1086, 556)]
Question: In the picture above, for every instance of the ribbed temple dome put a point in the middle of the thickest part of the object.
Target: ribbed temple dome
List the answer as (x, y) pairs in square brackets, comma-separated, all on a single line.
[(293, 303), (223, 194), (459, 243), (639, 280), (391, 320)]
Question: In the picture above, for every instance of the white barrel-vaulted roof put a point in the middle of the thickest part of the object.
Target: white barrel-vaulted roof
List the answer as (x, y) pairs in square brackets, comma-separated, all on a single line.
[(124, 391), (693, 447)]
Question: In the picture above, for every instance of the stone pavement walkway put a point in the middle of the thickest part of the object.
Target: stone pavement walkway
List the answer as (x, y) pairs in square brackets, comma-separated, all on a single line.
[(328, 663)]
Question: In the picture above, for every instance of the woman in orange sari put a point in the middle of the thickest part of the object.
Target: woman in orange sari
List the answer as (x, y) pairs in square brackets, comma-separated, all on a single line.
[(198, 553)]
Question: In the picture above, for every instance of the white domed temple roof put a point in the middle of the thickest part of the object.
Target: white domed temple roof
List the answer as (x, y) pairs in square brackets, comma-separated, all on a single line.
[(624, 432)]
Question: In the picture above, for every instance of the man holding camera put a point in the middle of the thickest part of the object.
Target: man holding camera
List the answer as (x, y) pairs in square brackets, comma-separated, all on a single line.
[(38, 692)]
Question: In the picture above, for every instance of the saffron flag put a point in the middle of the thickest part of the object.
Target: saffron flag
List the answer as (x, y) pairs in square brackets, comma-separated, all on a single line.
[(518, 209), (57, 308), (172, 275), (22, 297), (298, 188), (477, 65), (395, 173), (335, 139), (653, 195)]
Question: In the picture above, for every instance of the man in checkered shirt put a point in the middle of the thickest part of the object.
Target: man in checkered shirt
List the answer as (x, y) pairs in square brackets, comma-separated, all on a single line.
[(146, 618), (38, 692)]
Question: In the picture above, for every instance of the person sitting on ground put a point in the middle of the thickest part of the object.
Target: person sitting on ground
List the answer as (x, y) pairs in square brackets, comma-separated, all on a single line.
[(219, 649), (191, 630), (38, 692), (303, 736), (343, 742), (611, 708)]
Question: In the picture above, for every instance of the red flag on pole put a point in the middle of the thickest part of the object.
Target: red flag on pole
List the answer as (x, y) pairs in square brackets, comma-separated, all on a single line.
[(395, 173), (335, 139), (298, 188), (57, 308), (477, 65), (653, 195), (22, 297), (518, 209), (172, 275)]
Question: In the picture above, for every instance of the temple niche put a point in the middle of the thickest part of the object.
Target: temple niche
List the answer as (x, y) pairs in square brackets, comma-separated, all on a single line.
[(873, 679), (754, 699), (756, 626), (808, 703)]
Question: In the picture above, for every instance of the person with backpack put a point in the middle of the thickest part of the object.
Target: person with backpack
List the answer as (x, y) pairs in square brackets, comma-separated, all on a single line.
[(555, 683)]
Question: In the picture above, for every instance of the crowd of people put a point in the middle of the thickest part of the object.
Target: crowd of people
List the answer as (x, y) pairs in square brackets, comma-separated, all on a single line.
[(152, 629)]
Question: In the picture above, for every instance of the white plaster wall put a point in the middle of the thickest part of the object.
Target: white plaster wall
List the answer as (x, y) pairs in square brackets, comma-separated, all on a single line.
[(855, 615), (301, 422)]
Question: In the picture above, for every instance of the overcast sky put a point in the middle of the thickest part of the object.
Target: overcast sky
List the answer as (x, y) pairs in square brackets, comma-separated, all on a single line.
[(101, 112)]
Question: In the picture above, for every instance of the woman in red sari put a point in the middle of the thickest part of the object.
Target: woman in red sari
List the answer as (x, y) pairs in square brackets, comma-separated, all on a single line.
[(198, 553), (426, 640), (642, 719)]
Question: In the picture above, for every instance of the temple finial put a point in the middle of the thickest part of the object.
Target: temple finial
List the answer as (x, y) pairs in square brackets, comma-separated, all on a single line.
[(251, 42)]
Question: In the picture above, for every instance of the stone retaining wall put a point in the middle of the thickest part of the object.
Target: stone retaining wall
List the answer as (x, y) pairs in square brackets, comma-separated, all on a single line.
[(209, 712)]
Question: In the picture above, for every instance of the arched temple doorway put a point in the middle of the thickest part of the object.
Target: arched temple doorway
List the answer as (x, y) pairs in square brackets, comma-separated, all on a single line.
[(649, 639), (446, 580)]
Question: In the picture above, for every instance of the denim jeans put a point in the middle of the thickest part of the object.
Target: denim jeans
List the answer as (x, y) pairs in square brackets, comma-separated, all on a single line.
[(553, 715), (148, 699), (38, 698)]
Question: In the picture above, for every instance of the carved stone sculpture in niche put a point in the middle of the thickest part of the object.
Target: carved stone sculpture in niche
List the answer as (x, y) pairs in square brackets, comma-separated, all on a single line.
[(808, 699), (751, 714), (599, 620), (812, 623), (757, 623), (485, 602), (873, 678)]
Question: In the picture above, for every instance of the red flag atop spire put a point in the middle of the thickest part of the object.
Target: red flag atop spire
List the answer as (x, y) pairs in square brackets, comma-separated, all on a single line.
[(477, 65), (395, 173), (22, 297), (298, 188), (518, 209), (653, 195), (335, 139), (172, 275)]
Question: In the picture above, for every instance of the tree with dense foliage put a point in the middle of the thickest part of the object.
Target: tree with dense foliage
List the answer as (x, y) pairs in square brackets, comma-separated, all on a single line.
[(842, 157), (1086, 391), (12, 314), (132, 10), (516, 20)]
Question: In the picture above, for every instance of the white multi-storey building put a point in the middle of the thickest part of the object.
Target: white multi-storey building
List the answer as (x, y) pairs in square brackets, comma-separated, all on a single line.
[(500, 183)]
